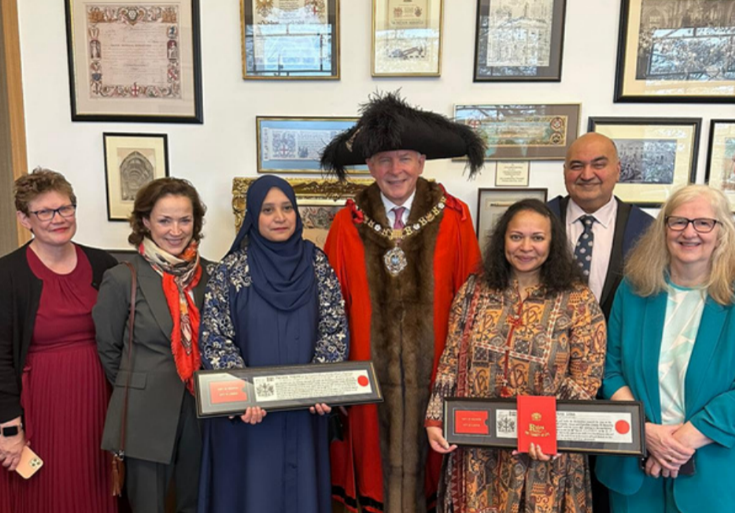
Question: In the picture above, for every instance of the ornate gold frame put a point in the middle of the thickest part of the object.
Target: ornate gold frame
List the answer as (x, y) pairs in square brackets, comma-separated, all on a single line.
[(314, 191)]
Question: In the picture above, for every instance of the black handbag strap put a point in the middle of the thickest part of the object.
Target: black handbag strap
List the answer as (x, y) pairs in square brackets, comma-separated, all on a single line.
[(131, 325)]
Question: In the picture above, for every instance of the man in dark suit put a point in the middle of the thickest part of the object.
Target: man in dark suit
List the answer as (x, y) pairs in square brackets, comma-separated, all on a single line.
[(601, 230), (600, 227)]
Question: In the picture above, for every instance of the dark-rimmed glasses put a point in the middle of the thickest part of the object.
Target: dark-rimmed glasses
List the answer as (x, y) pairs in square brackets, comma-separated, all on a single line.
[(48, 214), (700, 224)]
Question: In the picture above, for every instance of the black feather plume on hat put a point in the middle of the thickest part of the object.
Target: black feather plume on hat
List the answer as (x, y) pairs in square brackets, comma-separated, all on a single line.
[(389, 123)]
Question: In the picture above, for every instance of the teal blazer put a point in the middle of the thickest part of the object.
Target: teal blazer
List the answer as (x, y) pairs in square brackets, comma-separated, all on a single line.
[(633, 347)]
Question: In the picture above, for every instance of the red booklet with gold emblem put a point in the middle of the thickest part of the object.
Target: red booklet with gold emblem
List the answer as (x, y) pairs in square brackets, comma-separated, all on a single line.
[(537, 423)]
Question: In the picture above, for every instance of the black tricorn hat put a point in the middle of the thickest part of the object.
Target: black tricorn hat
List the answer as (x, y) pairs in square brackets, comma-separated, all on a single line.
[(388, 123)]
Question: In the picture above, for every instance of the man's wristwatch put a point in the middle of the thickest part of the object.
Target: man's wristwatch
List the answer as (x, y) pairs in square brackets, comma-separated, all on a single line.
[(9, 431)]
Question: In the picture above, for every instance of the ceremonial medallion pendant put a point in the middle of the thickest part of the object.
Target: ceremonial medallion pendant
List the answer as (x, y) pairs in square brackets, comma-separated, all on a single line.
[(395, 261)]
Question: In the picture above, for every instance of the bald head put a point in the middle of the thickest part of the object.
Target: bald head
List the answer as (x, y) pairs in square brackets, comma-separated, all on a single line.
[(591, 170)]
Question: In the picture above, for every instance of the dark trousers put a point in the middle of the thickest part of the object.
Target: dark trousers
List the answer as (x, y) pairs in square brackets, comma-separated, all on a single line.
[(600, 493), (148, 482)]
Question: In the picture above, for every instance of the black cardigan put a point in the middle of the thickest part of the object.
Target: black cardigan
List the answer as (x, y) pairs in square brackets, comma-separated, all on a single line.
[(20, 294)]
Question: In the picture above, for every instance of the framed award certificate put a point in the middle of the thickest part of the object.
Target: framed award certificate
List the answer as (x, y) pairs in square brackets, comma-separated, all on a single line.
[(136, 61), (295, 387), (407, 38), (592, 427), (290, 39)]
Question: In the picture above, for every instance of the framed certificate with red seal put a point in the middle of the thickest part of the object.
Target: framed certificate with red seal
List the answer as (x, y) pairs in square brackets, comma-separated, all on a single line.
[(592, 427), (295, 387)]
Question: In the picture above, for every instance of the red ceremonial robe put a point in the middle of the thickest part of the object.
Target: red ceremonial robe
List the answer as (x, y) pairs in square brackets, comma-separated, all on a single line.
[(401, 324)]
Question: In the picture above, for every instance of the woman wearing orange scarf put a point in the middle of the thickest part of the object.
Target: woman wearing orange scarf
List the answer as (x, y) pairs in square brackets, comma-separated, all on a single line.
[(162, 437)]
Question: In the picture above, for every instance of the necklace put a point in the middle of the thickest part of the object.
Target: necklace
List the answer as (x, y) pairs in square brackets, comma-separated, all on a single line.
[(395, 258)]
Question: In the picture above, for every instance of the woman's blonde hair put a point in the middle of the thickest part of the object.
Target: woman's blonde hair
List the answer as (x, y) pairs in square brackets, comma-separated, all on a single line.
[(648, 264)]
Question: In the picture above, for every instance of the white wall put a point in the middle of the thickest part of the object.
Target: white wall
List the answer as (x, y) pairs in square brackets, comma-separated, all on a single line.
[(210, 155)]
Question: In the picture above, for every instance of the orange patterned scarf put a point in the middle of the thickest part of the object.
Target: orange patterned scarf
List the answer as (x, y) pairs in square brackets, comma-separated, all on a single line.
[(179, 276)]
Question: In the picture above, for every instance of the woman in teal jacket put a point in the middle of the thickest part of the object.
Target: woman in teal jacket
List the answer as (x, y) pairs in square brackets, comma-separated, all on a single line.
[(671, 345)]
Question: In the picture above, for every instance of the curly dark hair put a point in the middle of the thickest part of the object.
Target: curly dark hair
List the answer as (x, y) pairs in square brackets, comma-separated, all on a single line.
[(148, 196), (558, 273), (40, 181)]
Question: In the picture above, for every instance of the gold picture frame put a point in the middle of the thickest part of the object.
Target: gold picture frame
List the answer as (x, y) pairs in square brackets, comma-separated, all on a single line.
[(407, 38), (319, 201)]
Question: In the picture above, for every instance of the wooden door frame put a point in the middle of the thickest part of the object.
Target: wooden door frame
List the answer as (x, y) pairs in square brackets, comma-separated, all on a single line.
[(14, 78)]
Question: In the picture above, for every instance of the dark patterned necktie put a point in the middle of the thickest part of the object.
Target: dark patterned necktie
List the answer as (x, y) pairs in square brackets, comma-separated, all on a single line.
[(583, 249), (398, 224)]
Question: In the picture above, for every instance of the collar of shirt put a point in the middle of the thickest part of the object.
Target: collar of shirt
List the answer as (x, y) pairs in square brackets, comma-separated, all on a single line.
[(605, 215), (389, 206)]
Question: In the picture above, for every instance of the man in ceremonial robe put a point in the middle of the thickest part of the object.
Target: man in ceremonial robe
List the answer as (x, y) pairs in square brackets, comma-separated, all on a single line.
[(401, 250)]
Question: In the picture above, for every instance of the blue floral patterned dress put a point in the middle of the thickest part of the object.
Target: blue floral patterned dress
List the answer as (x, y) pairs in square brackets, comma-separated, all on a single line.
[(281, 464)]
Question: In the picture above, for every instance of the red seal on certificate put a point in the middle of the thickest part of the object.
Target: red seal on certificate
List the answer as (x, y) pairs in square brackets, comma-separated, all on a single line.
[(363, 381), (622, 427)]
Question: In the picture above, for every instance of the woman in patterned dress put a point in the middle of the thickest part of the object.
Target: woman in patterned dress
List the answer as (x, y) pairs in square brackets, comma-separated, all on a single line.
[(526, 326), (273, 300), (672, 334)]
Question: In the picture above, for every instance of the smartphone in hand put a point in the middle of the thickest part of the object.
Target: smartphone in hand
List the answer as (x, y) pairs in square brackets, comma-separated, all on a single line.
[(29, 464)]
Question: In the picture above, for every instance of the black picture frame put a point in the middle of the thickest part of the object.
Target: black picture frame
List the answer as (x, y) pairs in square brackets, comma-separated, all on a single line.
[(550, 72), (720, 172), (224, 392), (139, 102), (490, 408), (646, 73), (250, 66), (133, 158), (657, 155)]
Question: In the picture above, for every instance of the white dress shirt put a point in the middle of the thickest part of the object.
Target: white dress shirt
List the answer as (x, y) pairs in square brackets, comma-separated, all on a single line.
[(389, 206), (603, 230)]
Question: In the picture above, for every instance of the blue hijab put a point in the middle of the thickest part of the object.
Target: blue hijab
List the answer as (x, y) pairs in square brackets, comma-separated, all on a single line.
[(282, 272)]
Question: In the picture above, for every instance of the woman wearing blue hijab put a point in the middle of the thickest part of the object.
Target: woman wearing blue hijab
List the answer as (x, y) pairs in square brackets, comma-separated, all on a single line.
[(273, 300)]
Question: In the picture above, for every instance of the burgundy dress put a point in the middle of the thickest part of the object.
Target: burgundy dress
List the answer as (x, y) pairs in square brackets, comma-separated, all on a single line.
[(64, 399)]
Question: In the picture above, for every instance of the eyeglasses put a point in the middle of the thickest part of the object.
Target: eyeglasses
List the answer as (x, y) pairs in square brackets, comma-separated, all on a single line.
[(701, 224), (48, 214)]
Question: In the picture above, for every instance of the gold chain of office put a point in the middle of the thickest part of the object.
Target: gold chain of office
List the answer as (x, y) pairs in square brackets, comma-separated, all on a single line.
[(395, 258)]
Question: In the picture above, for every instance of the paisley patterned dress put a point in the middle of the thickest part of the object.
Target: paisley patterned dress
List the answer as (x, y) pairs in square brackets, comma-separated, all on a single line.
[(546, 344)]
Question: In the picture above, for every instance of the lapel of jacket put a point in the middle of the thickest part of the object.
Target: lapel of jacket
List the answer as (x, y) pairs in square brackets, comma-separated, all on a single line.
[(705, 348), (653, 327), (615, 267), (151, 286)]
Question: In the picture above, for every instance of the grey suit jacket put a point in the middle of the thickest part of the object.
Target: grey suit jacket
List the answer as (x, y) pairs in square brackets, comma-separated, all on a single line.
[(156, 391)]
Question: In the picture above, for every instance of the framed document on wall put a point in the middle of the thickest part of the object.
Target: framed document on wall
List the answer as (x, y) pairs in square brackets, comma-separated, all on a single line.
[(657, 155), (519, 40), (721, 158), (137, 61), (290, 39), (131, 161), (523, 131), (295, 144), (407, 37), (676, 51)]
